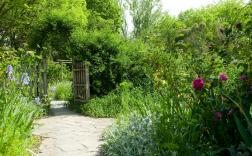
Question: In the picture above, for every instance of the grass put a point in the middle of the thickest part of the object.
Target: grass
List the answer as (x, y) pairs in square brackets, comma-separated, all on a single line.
[(61, 91)]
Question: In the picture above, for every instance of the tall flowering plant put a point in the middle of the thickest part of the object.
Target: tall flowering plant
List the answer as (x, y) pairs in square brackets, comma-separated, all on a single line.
[(224, 114)]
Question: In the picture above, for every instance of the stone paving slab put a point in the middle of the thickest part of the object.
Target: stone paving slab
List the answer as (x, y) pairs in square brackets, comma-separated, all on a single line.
[(67, 133)]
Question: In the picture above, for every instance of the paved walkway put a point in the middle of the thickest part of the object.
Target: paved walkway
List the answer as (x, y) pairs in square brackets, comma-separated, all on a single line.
[(67, 133)]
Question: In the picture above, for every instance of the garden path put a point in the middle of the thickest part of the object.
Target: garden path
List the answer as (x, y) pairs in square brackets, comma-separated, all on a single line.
[(67, 133)]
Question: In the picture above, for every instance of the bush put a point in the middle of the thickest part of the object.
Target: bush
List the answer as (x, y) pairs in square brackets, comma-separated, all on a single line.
[(131, 136), (107, 106), (63, 91), (111, 57), (122, 100)]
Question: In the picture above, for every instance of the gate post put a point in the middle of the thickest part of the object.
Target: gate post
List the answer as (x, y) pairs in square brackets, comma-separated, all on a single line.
[(87, 80)]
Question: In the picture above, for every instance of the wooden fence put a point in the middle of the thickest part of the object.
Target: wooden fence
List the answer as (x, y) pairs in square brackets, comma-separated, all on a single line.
[(36, 71), (80, 71)]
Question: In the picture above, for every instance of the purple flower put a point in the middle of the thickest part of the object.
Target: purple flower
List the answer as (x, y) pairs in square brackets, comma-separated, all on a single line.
[(223, 77), (243, 78), (198, 84), (9, 69), (217, 116)]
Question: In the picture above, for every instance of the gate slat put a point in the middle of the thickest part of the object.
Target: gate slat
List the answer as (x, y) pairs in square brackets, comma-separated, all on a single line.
[(80, 81)]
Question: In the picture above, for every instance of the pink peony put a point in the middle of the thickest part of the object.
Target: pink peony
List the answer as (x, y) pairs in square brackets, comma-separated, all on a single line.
[(198, 84), (223, 77), (217, 116), (243, 78)]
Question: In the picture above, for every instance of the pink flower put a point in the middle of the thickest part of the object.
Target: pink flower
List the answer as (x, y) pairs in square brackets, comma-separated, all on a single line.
[(198, 84), (217, 116), (243, 78), (223, 77)]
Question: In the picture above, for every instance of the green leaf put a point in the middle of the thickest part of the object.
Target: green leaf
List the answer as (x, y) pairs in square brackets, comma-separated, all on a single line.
[(242, 130)]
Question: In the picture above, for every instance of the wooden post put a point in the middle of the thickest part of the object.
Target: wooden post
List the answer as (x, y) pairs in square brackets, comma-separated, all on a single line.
[(44, 74), (35, 81), (87, 81), (40, 82), (73, 75), (31, 81), (61, 66)]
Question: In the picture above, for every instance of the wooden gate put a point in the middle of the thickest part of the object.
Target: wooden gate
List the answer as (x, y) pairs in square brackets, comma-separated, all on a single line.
[(81, 87)]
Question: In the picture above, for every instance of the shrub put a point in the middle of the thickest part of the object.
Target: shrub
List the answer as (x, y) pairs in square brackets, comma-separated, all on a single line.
[(63, 91), (131, 136), (106, 106), (111, 57), (121, 101)]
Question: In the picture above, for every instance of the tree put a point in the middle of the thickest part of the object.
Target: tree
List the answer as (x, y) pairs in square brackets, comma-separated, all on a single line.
[(57, 21), (15, 20), (124, 26), (104, 14), (144, 14)]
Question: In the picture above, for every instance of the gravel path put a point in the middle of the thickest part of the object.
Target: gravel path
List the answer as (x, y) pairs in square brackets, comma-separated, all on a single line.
[(67, 133)]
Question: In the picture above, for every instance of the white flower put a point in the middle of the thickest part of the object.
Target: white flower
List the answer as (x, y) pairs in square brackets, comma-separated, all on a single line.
[(37, 100)]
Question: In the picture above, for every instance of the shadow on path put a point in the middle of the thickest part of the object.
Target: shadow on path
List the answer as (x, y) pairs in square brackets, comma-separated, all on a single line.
[(58, 108)]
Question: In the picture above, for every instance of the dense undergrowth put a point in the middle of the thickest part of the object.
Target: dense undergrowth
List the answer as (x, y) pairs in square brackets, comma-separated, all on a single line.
[(172, 119), (194, 96), (16, 121), (18, 111)]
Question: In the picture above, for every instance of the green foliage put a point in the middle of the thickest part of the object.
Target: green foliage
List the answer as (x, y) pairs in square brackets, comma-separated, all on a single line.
[(58, 72), (144, 14), (17, 114), (159, 127), (164, 33), (112, 104), (107, 106), (165, 115), (7, 55), (16, 17), (112, 59), (100, 49), (63, 91), (103, 14), (182, 119), (56, 23), (134, 63), (131, 137)]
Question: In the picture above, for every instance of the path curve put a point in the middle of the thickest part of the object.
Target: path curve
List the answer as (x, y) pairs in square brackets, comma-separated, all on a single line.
[(67, 133)]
